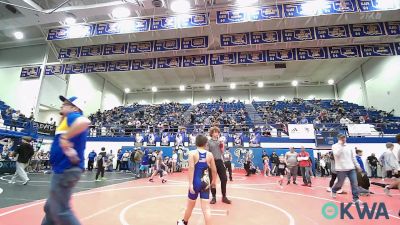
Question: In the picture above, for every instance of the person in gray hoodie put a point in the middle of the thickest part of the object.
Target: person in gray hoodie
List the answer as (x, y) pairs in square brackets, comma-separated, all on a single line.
[(292, 165), (389, 162)]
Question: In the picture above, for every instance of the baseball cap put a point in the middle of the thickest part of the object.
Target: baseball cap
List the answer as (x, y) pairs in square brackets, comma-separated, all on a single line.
[(78, 102), (341, 136)]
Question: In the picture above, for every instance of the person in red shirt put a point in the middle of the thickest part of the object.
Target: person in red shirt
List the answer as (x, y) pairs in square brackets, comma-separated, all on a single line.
[(305, 166)]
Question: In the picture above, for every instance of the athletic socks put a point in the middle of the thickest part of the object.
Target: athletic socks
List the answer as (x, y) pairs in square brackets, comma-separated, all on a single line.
[(214, 192), (181, 222)]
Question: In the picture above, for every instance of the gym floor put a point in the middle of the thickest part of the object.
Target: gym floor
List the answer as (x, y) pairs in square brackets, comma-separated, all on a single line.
[(122, 200)]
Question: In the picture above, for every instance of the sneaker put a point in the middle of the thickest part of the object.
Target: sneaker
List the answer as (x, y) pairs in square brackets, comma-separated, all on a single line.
[(328, 189), (294, 182), (11, 182), (213, 200), (164, 181), (226, 200), (98, 180), (309, 185), (333, 195), (288, 182), (387, 191), (25, 183), (181, 222), (358, 201), (151, 180), (103, 178)]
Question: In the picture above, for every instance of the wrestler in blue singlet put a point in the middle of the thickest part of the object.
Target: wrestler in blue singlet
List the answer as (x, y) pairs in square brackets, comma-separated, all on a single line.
[(201, 180)]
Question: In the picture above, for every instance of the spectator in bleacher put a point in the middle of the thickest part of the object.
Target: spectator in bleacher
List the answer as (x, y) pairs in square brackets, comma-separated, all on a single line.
[(361, 119), (14, 119), (344, 120), (389, 162), (373, 165), (305, 166), (24, 151), (304, 120), (91, 157)]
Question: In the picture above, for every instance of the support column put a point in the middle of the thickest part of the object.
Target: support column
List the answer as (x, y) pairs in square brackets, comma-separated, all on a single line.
[(192, 96), (250, 96), (45, 59), (364, 88), (336, 92)]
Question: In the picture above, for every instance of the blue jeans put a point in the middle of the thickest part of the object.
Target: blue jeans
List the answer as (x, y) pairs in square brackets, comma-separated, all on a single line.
[(57, 208), (341, 176), (305, 173)]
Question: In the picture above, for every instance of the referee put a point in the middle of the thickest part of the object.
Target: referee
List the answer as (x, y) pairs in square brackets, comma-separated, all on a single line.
[(216, 147)]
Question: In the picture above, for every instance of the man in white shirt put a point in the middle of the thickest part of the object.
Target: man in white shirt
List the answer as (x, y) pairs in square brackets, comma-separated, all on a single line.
[(346, 165)]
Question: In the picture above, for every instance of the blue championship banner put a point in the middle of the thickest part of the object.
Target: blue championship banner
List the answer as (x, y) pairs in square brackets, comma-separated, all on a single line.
[(281, 55), (367, 29), (265, 37), (30, 72), (393, 28), (115, 49), (251, 57), (377, 50), (265, 13), (231, 16), (223, 58), (140, 47), (312, 8), (77, 31), (397, 48), (375, 5), (235, 39), (164, 23), (74, 68), (195, 60), (342, 52), (96, 67), (196, 20), (167, 45), (312, 53), (302, 34), (123, 26), (143, 64), (332, 32), (54, 69), (68, 53), (169, 62), (92, 50), (116, 66), (194, 42)]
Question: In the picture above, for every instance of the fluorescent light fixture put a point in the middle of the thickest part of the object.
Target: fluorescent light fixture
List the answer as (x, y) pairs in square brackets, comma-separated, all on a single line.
[(70, 20), (385, 4), (207, 87), (180, 6), (127, 90), (78, 31), (282, 97), (154, 89), (233, 85), (18, 35), (295, 83), (44, 108), (260, 84), (120, 12), (246, 2), (182, 87), (331, 82), (311, 97), (314, 7)]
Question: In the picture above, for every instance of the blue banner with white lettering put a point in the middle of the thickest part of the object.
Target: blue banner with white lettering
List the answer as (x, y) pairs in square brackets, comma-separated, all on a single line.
[(377, 50), (302, 34), (231, 16), (397, 47), (367, 29), (30, 72), (123, 26), (223, 58), (140, 47), (312, 53), (169, 62), (167, 45), (96, 67), (68, 53), (264, 13), (332, 32), (342, 52), (74, 68), (195, 60), (313, 8), (265, 37), (393, 28), (280, 55), (194, 42), (251, 57), (54, 69), (116, 66), (164, 23), (115, 49), (92, 50), (195, 20), (376, 5), (143, 64), (235, 39), (77, 31)]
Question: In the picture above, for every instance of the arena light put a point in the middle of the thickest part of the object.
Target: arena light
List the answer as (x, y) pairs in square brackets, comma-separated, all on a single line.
[(314, 7), (282, 98), (18, 35), (120, 12), (70, 19), (182, 88), (295, 83), (207, 87), (154, 89), (331, 82), (260, 84), (180, 6), (385, 4), (246, 2), (232, 85), (127, 90)]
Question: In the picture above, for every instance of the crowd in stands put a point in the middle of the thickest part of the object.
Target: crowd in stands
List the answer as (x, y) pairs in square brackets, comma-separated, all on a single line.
[(13, 119)]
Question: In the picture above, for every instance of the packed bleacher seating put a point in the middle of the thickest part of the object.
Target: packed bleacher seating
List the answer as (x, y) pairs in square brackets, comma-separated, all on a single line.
[(14, 123)]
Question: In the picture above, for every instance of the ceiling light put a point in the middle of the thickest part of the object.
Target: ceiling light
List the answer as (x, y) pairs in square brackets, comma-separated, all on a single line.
[(120, 12), (19, 35), (331, 82), (282, 97), (127, 90), (180, 6), (233, 86), (314, 7), (295, 83), (207, 87), (154, 89), (246, 2), (70, 19), (260, 84), (182, 87)]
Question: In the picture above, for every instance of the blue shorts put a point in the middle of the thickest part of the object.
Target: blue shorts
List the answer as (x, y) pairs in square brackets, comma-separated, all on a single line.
[(203, 194), (144, 167)]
